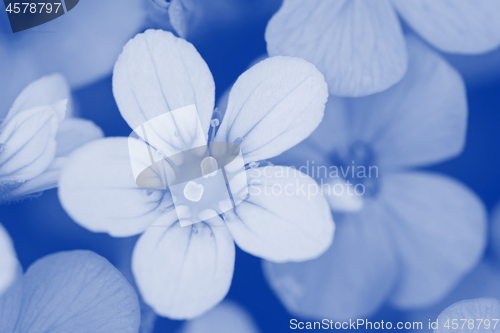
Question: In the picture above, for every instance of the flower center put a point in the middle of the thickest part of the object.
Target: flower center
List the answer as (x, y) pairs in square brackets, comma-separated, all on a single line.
[(358, 165)]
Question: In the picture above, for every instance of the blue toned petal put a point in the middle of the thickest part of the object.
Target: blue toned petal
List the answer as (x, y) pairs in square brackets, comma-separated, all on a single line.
[(478, 309), (227, 317), (440, 230), (8, 261), (457, 26), (350, 280), (78, 292), (97, 188), (285, 218), (73, 133), (82, 45), (47, 180), (358, 45), (334, 126), (10, 304), (182, 272), (419, 121), (273, 106), (157, 73), (483, 281), (183, 16), (113, 21), (27, 142), (47, 90)]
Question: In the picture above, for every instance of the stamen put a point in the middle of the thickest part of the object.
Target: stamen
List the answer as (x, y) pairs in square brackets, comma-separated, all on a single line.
[(253, 165), (214, 123)]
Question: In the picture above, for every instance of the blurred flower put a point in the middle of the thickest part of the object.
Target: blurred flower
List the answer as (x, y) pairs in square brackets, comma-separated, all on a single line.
[(82, 45), (410, 236), (77, 291), (482, 282), (188, 17), (227, 317), (35, 138), (8, 261), (478, 313), (359, 45), (183, 272)]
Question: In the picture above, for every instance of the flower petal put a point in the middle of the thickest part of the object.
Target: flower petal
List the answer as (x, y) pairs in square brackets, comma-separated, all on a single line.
[(45, 91), (477, 309), (227, 317), (358, 45), (182, 16), (284, 218), (73, 133), (82, 51), (334, 126), (182, 272), (28, 142), (440, 230), (58, 52), (8, 261), (10, 304), (157, 73), (458, 26), (47, 180), (273, 106), (419, 121), (77, 291), (350, 280), (97, 188)]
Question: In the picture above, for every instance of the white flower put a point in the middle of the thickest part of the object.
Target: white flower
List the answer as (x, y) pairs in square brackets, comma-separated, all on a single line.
[(184, 271)]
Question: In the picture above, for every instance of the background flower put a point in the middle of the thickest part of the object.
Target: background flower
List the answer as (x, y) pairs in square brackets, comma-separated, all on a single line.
[(483, 282), (359, 45), (415, 234), (82, 45), (35, 138), (480, 310), (76, 291), (227, 317), (197, 17)]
